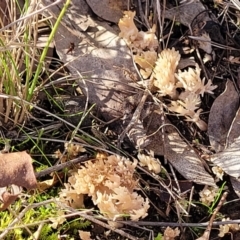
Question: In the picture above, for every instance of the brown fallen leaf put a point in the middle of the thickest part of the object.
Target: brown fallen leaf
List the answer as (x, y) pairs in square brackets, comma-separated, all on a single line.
[(84, 235), (108, 61), (43, 186), (110, 10), (9, 196), (16, 168), (221, 116), (185, 160), (236, 185), (186, 12), (234, 129), (228, 159)]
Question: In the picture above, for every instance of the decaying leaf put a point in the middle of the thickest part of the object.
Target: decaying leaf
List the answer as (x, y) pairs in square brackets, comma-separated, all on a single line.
[(221, 116), (186, 62), (205, 43), (228, 159), (234, 131), (104, 57), (46, 184), (185, 160), (84, 235), (16, 168), (236, 185), (110, 10), (138, 135), (8, 196), (186, 12)]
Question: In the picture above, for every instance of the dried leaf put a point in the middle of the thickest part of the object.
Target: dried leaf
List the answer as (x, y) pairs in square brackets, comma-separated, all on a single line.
[(9, 196), (155, 119), (43, 186), (80, 18), (84, 235), (234, 129), (186, 12), (110, 72), (185, 160), (16, 168), (138, 135), (110, 10), (221, 116), (205, 43), (236, 185), (228, 159), (186, 62), (102, 54)]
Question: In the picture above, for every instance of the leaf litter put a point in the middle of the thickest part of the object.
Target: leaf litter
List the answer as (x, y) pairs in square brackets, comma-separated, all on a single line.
[(16, 171), (179, 153), (103, 64)]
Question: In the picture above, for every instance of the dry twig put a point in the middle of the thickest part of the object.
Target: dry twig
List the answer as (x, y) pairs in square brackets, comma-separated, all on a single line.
[(61, 166)]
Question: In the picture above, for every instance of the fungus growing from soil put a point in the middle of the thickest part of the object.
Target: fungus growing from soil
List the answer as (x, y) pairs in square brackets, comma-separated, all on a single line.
[(111, 185), (183, 87)]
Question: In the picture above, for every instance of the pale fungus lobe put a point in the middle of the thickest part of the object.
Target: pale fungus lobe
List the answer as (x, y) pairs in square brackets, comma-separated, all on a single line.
[(164, 72), (184, 87), (127, 26), (111, 184)]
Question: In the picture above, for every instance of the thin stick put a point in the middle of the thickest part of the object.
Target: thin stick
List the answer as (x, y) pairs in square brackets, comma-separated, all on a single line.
[(95, 220), (61, 166), (174, 224)]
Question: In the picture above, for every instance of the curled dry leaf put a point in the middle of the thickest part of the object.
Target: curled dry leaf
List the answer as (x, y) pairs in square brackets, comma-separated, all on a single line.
[(186, 62), (223, 130), (49, 183), (8, 196), (16, 168), (146, 61)]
